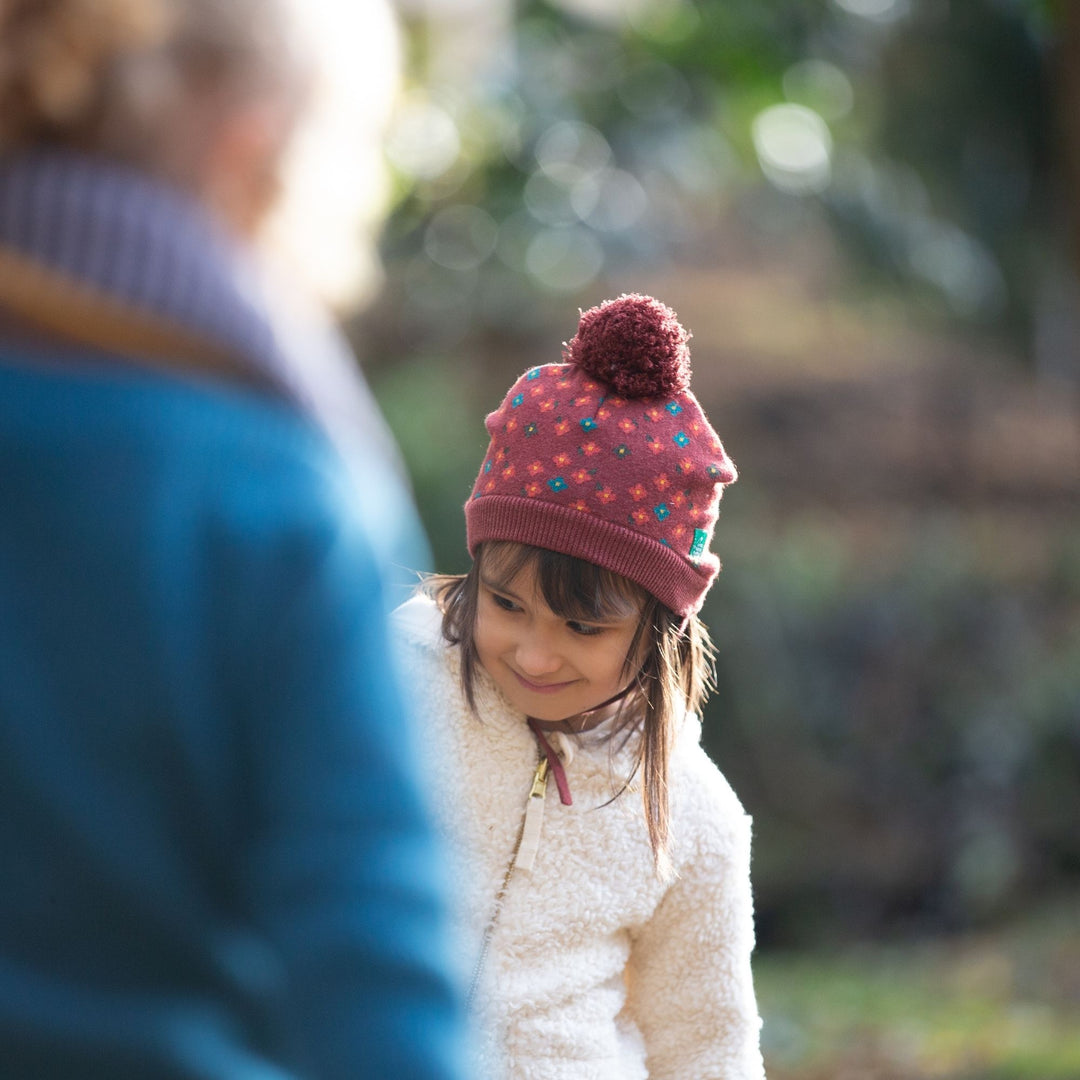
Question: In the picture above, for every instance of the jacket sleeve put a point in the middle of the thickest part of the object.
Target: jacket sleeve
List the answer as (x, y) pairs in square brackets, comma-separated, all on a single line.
[(690, 985), (339, 871)]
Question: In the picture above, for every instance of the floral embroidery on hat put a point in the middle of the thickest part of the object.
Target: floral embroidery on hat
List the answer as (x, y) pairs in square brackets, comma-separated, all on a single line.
[(531, 428), (547, 406), (621, 451), (605, 495), (590, 448), (580, 504), (562, 460), (673, 407), (581, 475), (639, 516), (587, 423), (661, 511), (557, 483), (663, 481), (516, 400), (562, 427), (534, 373), (680, 438), (533, 488), (638, 492), (627, 425), (536, 468)]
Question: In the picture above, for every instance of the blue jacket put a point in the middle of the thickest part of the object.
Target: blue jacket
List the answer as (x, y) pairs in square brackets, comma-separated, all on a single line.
[(214, 857)]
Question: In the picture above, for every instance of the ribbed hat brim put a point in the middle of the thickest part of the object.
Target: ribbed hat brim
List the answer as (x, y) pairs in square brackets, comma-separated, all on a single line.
[(675, 581)]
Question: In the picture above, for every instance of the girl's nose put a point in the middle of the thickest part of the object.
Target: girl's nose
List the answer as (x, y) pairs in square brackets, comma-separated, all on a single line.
[(536, 658)]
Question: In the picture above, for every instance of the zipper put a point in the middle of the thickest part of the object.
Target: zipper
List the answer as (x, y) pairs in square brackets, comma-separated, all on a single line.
[(523, 855)]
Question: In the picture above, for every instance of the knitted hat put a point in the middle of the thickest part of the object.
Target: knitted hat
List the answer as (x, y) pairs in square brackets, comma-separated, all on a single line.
[(608, 457)]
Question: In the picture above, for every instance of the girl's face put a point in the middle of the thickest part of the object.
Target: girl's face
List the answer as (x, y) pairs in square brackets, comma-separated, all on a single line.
[(548, 667)]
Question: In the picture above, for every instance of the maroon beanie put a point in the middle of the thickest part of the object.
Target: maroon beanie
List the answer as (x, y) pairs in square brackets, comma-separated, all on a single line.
[(608, 457)]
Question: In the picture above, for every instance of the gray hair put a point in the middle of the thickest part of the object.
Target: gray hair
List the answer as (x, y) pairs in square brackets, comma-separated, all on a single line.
[(116, 77)]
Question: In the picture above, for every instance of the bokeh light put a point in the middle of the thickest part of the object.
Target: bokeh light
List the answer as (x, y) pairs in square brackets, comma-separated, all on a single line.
[(423, 141), (820, 86), (564, 259), (962, 268), (570, 149), (877, 10), (460, 237), (794, 148), (612, 201)]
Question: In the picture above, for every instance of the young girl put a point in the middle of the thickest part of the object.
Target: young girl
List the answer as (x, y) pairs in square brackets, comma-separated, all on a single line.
[(605, 892)]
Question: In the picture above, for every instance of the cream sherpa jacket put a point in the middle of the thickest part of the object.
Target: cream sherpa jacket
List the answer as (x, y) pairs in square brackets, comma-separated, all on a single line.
[(595, 970)]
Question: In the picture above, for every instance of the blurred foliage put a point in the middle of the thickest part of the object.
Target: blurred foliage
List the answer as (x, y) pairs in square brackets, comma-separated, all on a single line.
[(899, 620), (996, 1006), (908, 734), (572, 147)]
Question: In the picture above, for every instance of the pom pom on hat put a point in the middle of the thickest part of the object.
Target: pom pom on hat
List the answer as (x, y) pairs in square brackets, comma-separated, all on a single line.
[(635, 345)]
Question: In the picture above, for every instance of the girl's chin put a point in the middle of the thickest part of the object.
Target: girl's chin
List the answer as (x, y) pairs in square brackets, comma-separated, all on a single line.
[(540, 710), (581, 721)]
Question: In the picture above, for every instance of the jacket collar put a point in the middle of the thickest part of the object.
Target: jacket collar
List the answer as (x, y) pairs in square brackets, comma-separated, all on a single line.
[(125, 264)]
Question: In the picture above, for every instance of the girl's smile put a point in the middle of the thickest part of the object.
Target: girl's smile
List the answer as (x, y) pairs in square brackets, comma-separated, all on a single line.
[(546, 666), (546, 688)]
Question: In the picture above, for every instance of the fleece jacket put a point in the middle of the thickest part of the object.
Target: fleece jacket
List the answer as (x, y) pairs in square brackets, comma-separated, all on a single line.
[(595, 969)]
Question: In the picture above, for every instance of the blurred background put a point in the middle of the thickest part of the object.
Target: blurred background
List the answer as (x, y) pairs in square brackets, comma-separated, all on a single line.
[(866, 211)]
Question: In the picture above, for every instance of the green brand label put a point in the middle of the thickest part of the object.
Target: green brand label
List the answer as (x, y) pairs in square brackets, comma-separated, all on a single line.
[(701, 538)]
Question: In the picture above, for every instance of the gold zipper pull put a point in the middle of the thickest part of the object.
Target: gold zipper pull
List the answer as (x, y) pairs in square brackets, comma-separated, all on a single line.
[(539, 784), (533, 822)]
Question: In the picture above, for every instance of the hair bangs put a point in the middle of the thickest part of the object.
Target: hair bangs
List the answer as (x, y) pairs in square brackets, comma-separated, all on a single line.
[(571, 587)]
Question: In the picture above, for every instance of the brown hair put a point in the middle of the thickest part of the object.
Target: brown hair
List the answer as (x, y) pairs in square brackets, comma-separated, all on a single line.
[(675, 670)]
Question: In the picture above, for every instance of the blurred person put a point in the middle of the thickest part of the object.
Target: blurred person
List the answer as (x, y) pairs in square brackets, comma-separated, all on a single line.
[(605, 885), (215, 851)]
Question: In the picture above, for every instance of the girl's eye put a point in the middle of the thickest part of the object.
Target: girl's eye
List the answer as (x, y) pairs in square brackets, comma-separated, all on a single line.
[(503, 602), (585, 629)]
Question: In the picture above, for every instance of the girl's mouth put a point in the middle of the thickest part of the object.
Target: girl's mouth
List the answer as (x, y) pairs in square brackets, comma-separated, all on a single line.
[(541, 688)]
